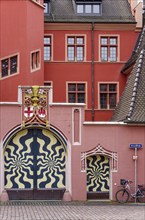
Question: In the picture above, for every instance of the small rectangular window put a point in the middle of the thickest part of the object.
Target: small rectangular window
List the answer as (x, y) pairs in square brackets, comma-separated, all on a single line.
[(87, 8), (75, 48), (108, 49), (108, 95), (5, 67), (47, 48), (76, 92), (35, 60), (13, 64), (9, 66), (46, 7)]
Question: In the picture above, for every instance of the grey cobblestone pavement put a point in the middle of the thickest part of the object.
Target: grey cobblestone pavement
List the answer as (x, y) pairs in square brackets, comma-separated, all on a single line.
[(70, 211)]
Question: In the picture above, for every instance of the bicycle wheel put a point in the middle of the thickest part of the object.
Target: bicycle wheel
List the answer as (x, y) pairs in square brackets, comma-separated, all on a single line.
[(141, 198), (122, 196)]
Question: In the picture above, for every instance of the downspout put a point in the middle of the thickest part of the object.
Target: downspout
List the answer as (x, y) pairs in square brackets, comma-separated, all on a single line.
[(92, 75)]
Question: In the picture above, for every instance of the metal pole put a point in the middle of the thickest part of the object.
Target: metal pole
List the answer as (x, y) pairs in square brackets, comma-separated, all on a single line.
[(135, 172)]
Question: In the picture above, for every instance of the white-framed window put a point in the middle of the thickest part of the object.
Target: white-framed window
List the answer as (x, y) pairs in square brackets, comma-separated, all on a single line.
[(9, 65), (76, 92), (76, 48), (35, 60), (108, 95), (109, 48), (48, 48)]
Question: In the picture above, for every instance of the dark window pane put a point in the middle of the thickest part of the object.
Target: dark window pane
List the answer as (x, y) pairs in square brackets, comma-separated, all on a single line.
[(37, 59), (112, 101), (103, 87), (72, 87), (81, 98), (81, 87), (13, 64), (4, 67), (71, 98), (103, 101), (112, 87)]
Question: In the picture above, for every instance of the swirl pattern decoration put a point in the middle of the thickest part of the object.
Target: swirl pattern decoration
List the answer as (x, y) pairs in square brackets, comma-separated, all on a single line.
[(97, 173), (34, 158)]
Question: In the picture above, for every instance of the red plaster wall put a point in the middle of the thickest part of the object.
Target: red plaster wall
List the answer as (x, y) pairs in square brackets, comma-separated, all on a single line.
[(21, 32), (60, 72)]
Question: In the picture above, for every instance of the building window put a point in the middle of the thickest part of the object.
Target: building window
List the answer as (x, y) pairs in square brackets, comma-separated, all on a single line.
[(88, 8), (76, 92), (109, 49), (9, 66), (47, 48), (75, 48), (108, 95), (46, 7), (35, 60)]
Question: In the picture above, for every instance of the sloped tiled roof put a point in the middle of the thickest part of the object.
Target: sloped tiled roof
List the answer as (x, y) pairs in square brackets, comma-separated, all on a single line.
[(112, 11), (131, 107)]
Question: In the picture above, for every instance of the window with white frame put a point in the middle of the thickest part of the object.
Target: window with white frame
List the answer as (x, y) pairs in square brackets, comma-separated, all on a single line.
[(108, 95), (47, 48), (76, 92), (35, 60), (9, 66), (109, 48), (75, 48)]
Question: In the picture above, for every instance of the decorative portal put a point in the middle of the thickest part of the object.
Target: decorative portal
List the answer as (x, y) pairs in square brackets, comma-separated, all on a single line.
[(34, 159), (99, 150), (97, 173), (35, 105)]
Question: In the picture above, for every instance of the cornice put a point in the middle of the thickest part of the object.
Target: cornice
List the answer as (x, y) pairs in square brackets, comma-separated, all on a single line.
[(88, 26)]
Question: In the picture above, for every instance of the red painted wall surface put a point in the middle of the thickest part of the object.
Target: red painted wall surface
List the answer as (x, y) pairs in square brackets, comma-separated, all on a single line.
[(21, 32), (60, 72)]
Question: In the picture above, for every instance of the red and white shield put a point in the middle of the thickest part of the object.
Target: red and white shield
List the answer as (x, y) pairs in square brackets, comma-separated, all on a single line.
[(42, 112), (28, 112)]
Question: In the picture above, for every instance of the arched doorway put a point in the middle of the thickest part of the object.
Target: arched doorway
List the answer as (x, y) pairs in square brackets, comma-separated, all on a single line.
[(35, 165)]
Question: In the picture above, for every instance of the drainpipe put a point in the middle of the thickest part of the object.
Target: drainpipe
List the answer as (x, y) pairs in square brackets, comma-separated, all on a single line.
[(93, 81)]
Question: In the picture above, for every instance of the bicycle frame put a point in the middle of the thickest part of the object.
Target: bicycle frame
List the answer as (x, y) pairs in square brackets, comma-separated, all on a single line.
[(138, 193)]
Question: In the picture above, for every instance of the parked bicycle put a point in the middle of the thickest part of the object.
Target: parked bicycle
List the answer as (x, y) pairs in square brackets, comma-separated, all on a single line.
[(124, 194)]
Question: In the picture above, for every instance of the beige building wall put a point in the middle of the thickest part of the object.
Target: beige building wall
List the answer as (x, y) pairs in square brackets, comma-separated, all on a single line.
[(136, 6)]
